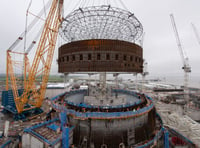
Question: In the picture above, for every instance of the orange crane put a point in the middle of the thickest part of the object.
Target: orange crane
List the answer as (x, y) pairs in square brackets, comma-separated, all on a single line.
[(33, 95)]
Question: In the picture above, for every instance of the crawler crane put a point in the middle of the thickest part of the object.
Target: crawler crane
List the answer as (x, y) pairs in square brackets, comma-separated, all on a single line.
[(33, 94)]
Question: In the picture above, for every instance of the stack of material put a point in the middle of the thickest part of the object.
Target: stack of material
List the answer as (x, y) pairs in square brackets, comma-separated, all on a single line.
[(17, 127), (181, 123)]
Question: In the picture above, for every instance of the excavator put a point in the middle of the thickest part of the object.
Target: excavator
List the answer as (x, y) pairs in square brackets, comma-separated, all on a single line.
[(31, 96)]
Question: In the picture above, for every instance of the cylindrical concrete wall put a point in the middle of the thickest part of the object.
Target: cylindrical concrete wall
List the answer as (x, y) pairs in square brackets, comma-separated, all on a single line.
[(113, 132), (100, 55)]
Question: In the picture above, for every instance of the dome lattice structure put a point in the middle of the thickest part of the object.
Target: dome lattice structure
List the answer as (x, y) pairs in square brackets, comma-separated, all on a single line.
[(101, 22)]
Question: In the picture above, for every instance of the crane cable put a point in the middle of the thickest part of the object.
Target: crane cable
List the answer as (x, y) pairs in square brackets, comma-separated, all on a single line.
[(44, 8), (25, 34), (92, 2), (109, 2), (115, 3), (106, 2), (39, 32), (34, 40), (26, 27), (87, 3), (29, 27), (77, 5), (84, 3), (196, 33), (123, 5)]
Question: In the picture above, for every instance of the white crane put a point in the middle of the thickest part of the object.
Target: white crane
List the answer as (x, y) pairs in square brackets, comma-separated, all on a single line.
[(186, 67), (196, 33), (145, 72)]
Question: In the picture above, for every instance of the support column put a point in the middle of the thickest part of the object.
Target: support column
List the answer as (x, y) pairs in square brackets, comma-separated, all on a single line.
[(65, 79), (186, 89), (102, 81), (143, 81), (136, 81), (145, 72), (90, 74), (116, 79)]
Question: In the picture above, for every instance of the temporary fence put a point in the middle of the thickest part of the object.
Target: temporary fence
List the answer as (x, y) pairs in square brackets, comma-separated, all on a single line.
[(67, 94), (103, 115), (132, 93), (103, 107), (126, 114)]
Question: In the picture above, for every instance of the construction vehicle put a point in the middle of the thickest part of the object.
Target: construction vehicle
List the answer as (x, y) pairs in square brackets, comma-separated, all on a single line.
[(32, 94), (186, 67)]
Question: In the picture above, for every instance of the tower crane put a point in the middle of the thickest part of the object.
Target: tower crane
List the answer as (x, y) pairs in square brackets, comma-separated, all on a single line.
[(144, 74), (33, 96), (196, 33), (186, 67), (145, 64)]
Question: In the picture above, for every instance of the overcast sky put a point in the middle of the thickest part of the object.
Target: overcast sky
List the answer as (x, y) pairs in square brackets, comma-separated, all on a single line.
[(160, 48)]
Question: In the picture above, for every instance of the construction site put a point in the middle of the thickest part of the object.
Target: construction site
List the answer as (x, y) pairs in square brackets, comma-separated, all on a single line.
[(89, 105)]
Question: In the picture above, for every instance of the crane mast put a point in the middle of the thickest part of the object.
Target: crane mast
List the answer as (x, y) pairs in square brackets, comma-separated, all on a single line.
[(186, 67), (34, 95), (145, 64), (144, 74)]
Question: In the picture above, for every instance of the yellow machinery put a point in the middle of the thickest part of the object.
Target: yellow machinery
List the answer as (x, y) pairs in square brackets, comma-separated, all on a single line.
[(33, 94)]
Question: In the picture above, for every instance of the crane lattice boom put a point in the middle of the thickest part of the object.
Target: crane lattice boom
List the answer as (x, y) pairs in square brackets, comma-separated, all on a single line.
[(34, 94)]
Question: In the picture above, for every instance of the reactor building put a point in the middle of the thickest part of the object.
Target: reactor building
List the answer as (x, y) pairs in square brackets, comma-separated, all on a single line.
[(104, 39)]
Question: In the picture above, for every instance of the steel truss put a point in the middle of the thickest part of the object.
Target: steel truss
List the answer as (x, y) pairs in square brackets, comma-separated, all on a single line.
[(101, 22)]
